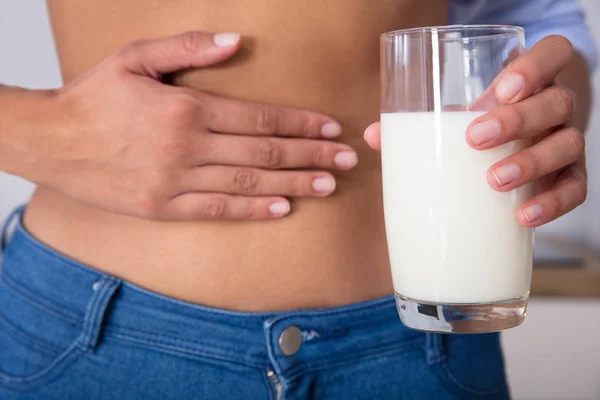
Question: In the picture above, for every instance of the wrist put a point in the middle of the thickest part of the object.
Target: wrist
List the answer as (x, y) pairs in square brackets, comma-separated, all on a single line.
[(28, 119)]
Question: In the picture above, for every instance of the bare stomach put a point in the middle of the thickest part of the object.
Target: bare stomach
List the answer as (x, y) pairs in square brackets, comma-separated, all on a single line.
[(328, 252)]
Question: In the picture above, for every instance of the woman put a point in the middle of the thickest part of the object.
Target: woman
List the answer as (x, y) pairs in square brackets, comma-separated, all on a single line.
[(190, 240)]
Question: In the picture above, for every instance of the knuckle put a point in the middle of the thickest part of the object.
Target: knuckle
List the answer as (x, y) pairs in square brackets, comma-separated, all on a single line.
[(148, 205), (245, 181), (576, 141), (269, 154), (309, 126), (214, 207), (317, 156), (517, 120), (192, 41), (298, 186), (563, 102), (555, 205), (581, 190), (535, 162), (267, 121), (180, 111), (251, 210)]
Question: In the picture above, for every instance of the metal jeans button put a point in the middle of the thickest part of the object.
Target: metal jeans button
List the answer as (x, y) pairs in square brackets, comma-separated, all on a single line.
[(290, 340)]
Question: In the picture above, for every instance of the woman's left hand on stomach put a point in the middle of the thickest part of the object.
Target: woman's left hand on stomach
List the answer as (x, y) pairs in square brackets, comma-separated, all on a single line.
[(532, 106)]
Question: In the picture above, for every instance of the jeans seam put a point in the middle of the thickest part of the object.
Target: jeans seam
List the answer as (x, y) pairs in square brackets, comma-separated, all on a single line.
[(356, 312), (158, 345), (16, 289), (9, 379), (153, 337), (27, 337), (475, 391), (413, 344)]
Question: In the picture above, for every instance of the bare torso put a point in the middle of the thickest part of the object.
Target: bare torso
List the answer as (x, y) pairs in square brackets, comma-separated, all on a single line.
[(322, 56)]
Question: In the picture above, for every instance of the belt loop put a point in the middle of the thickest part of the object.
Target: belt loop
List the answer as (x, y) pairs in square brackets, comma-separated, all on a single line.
[(8, 224), (104, 291), (434, 348)]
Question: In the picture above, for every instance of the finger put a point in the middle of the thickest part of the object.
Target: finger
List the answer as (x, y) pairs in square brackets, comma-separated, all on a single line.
[(559, 149), (546, 109), (569, 192), (373, 136), (256, 182), (213, 206), (534, 70), (247, 118), (156, 57), (276, 153)]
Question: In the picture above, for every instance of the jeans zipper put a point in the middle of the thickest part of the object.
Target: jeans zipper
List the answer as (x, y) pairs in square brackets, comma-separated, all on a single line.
[(276, 384)]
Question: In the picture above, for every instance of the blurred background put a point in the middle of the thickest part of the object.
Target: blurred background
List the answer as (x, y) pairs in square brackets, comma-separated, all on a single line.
[(555, 354)]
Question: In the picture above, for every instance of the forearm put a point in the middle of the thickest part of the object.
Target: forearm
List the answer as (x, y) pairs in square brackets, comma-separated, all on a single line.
[(576, 77), (26, 119)]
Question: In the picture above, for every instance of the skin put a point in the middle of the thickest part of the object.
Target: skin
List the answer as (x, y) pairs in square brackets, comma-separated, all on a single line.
[(159, 160)]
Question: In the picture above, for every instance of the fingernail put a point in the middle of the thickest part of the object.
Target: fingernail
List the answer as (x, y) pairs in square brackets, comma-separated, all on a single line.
[(533, 212), (226, 39), (484, 131), (331, 130), (346, 159), (323, 185), (506, 173), (510, 86), (279, 208)]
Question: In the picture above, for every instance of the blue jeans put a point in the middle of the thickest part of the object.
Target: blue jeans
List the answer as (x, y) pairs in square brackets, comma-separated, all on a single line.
[(70, 332)]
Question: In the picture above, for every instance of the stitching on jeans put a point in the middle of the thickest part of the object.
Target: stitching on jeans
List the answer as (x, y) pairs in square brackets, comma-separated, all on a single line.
[(98, 311), (375, 304), (89, 321), (24, 294), (157, 345), (65, 356), (24, 336), (296, 371), (475, 391), (182, 344), (351, 311)]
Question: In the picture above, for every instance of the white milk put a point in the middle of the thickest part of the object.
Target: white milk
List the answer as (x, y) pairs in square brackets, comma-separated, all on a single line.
[(451, 237)]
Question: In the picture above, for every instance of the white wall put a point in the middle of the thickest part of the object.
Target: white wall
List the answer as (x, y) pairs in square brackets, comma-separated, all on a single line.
[(555, 355)]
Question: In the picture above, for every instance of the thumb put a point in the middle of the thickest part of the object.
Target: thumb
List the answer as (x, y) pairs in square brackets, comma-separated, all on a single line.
[(157, 57)]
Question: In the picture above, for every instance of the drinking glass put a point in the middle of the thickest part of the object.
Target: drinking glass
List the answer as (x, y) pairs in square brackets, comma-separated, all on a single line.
[(460, 261)]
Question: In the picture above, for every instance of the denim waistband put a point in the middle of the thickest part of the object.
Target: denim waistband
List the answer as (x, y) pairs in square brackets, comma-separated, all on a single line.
[(331, 336)]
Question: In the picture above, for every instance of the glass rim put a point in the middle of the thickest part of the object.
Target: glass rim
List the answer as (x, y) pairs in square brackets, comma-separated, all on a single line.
[(497, 31)]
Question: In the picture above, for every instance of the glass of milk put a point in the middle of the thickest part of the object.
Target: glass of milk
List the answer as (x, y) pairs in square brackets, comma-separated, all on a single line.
[(460, 260)]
